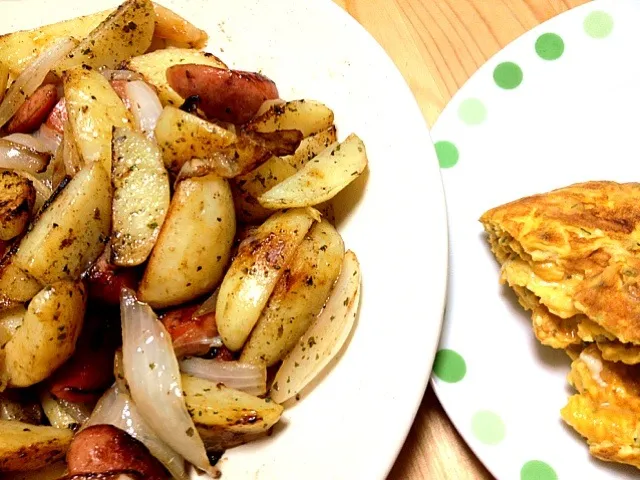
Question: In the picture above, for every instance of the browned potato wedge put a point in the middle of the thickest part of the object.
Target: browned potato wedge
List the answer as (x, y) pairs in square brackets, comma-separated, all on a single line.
[(226, 417), (194, 244), (171, 26), (320, 179), (324, 339), (10, 321), (123, 34), (308, 116), (311, 146), (105, 448), (48, 335), (140, 196), (17, 196), (247, 188), (70, 234), (260, 262), (54, 471), (18, 49), (4, 77), (29, 447), (16, 286), (153, 67), (298, 296), (183, 136), (94, 109)]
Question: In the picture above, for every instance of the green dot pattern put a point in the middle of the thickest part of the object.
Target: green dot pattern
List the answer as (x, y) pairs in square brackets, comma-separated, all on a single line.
[(598, 24), (537, 470), (447, 154), (488, 427), (449, 366), (549, 46), (472, 111), (507, 75)]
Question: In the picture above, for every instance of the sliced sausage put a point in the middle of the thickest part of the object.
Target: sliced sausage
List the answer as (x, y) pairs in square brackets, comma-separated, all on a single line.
[(105, 448), (228, 95), (58, 116), (34, 111), (106, 280)]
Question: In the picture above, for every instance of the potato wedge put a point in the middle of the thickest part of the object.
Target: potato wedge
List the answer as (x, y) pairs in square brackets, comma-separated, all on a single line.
[(324, 339), (183, 136), (17, 197), (70, 234), (54, 471), (16, 286), (48, 335), (311, 146), (247, 188), (18, 49), (10, 321), (260, 262), (308, 116), (153, 67), (298, 296), (4, 77), (126, 32), (94, 109), (194, 244), (320, 179), (141, 196), (171, 26), (26, 447), (226, 417)]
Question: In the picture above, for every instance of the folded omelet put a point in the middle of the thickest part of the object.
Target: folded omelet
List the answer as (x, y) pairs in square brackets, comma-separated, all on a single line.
[(572, 257)]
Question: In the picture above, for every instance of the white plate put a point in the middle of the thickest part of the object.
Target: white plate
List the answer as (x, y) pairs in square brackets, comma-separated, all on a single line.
[(354, 423), (572, 118)]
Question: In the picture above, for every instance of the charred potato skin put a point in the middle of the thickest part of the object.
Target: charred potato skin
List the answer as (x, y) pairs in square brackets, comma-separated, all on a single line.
[(30, 447), (17, 197)]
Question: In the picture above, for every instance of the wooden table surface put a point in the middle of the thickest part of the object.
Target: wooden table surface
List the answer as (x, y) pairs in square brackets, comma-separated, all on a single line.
[(438, 45)]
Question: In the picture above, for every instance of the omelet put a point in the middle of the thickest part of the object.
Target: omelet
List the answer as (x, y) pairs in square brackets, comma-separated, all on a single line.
[(577, 251), (606, 408)]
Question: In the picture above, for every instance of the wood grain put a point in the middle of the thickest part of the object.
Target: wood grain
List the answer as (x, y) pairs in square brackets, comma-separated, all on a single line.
[(438, 45)]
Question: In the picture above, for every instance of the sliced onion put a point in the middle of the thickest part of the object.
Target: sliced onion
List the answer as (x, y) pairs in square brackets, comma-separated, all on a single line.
[(42, 187), (32, 77), (15, 156), (48, 137), (153, 375), (118, 409), (209, 305), (241, 376), (145, 106), (126, 75), (27, 140), (80, 412)]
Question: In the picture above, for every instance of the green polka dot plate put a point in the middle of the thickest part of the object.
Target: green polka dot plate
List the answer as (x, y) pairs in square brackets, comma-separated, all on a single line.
[(559, 105)]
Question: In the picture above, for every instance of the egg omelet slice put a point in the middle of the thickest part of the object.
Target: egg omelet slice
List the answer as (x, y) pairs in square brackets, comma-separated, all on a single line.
[(606, 408), (577, 250)]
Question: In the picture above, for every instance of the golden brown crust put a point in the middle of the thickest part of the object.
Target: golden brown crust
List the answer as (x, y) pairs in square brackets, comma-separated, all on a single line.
[(17, 196)]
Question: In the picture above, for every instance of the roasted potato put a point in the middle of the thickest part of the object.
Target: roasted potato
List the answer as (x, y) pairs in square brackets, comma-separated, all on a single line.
[(16, 286), (153, 67), (124, 33), (311, 146), (194, 244), (227, 95), (70, 234), (105, 448), (183, 136), (48, 335), (26, 447), (140, 196), (321, 178), (247, 188), (308, 116), (171, 26), (298, 296), (226, 417), (325, 337), (18, 49), (54, 471), (17, 197), (94, 109), (260, 262), (10, 321)]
